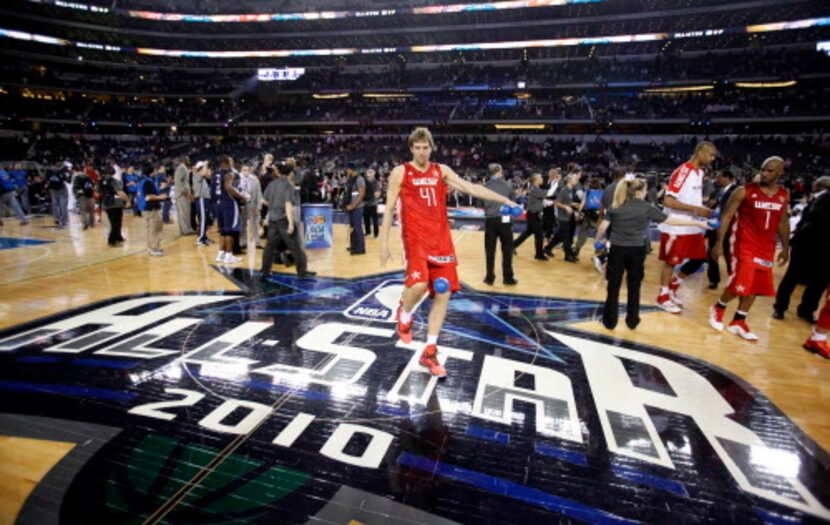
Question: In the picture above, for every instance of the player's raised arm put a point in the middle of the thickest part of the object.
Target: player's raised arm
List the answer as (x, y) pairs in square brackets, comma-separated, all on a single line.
[(392, 192), (670, 201), (452, 180)]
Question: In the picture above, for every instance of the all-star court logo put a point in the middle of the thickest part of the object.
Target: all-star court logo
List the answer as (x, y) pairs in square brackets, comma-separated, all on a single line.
[(293, 402)]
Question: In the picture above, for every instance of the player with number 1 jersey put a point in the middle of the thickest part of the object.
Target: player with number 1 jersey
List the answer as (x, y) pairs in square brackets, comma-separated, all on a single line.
[(758, 214)]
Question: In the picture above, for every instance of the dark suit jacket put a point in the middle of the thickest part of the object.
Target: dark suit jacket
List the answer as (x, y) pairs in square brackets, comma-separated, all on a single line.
[(725, 195), (811, 241)]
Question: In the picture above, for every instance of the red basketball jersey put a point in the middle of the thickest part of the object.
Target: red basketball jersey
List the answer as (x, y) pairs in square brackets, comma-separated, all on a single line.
[(425, 225), (756, 224)]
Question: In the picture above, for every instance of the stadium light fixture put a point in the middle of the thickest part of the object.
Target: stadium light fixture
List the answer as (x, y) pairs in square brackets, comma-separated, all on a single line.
[(681, 89), (520, 126), (766, 85), (479, 46), (387, 95), (329, 96), (311, 15)]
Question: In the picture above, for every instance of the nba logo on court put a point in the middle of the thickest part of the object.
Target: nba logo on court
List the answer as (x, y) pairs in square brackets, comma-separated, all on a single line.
[(380, 304)]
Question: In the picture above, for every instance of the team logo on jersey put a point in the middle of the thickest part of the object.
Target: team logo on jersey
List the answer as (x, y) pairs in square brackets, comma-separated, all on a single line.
[(772, 206), (679, 177), (294, 402), (425, 181), (441, 259)]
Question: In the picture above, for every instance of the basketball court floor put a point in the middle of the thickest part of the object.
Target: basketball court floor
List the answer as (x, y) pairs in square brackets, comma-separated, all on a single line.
[(175, 390)]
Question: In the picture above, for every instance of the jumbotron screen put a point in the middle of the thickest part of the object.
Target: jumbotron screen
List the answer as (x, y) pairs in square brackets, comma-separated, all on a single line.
[(276, 75)]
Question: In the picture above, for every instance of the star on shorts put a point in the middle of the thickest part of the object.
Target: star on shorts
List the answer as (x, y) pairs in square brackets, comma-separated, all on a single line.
[(740, 288), (415, 275)]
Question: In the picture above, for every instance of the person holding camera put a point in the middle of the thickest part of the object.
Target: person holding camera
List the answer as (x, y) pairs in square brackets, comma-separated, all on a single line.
[(354, 195), (283, 203)]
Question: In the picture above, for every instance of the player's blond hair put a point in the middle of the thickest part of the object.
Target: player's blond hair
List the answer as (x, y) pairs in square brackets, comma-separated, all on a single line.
[(626, 190), (421, 135)]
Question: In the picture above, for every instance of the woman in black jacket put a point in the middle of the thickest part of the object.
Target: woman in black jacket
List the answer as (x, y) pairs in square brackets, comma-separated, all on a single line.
[(631, 216)]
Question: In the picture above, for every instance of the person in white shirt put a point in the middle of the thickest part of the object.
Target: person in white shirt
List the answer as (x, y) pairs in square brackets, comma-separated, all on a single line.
[(549, 212), (116, 172), (252, 190), (684, 199), (183, 194)]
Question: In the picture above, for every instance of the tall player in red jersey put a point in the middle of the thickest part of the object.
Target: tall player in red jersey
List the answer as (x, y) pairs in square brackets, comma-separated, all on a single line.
[(421, 188), (760, 212), (684, 199)]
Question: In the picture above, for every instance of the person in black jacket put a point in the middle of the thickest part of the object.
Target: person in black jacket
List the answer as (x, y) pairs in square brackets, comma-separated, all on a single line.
[(84, 189), (808, 258), (727, 185), (370, 211), (535, 211), (56, 181), (565, 217), (113, 200), (551, 186), (630, 215), (353, 202), (498, 227)]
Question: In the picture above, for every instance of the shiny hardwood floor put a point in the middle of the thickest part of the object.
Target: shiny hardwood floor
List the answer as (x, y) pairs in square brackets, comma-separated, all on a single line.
[(78, 268), (23, 463)]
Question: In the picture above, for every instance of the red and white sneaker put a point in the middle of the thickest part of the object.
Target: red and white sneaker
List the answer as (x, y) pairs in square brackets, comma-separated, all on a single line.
[(742, 329), (819, 347), (674, 292), (404, 330), (429, 359), (716, 317), (665, 302)]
